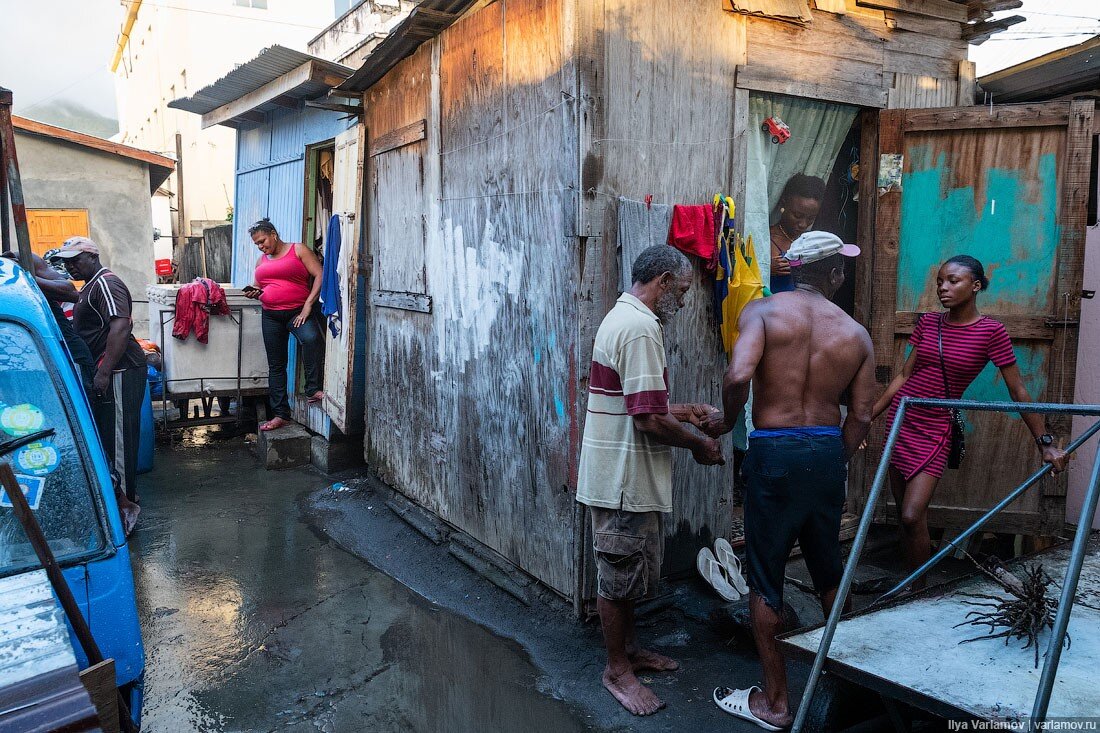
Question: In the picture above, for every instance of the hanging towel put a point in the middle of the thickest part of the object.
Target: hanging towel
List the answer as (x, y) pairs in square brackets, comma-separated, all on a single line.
[(692, 232), (195, 303), (330, 277), (640, 226)]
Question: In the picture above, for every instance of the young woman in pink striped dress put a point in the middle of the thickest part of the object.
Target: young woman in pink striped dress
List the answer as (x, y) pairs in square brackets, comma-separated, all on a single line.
[(970, 340)]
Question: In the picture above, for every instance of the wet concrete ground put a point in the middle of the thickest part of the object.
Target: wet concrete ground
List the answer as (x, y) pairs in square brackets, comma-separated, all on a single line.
[(271, 602), (253, 621)]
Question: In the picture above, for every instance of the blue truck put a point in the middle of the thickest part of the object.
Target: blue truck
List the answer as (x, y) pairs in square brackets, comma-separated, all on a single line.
[(65, 479)]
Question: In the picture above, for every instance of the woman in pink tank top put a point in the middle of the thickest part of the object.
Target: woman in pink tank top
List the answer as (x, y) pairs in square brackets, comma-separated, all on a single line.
[(287, 283)]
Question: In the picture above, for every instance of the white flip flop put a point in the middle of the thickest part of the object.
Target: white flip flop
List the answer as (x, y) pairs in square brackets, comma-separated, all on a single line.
[(723, 550), (708, 567), (736, 703)]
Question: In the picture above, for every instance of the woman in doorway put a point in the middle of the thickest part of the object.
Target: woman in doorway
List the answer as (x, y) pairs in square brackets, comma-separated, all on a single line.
[(287, 283), (932, 371), (798, 207)]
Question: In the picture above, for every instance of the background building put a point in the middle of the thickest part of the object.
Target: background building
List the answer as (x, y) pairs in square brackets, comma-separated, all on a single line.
[(164, 53), (77, 184)]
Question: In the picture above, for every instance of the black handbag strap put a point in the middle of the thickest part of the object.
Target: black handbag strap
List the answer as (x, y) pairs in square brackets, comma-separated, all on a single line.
[(943, 366)]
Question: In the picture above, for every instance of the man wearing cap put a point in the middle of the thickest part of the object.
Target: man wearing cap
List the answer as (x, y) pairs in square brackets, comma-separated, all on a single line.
[(802, 354), (102, 317)]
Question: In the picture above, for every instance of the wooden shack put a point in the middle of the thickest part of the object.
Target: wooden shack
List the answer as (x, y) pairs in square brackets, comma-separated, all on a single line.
[(499, 137)]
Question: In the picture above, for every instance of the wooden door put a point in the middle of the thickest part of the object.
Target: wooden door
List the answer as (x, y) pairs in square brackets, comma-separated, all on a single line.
[(1007, 186), (49, 228), (340, 349)]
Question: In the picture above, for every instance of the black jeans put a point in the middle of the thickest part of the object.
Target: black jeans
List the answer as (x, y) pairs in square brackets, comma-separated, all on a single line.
[(124, 434), (277, 330)]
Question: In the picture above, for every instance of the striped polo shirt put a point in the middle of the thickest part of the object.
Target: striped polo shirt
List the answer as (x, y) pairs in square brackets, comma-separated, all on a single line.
[(620, 466), (102, 299)]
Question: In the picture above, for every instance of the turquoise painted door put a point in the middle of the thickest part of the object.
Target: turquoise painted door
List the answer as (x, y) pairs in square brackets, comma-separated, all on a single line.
[(1007, 186)]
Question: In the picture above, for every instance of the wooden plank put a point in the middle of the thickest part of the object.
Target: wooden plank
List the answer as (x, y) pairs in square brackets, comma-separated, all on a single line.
[(967, 83), (739, 155), (1032, 114), (923, 24), (885, 263), (1069, 280), (591, 59), (865, 237), (932, 8), (419, 302), (400, 137), (1019, 327), (978, 33), (99, 681), (749, 77), (840, 7)]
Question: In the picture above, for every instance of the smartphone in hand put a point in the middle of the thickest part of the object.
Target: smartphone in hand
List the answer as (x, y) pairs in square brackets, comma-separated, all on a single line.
[(251, 291)]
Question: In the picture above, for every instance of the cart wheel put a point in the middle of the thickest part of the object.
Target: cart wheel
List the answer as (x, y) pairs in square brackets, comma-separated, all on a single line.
[(764, 127), (775, 139)]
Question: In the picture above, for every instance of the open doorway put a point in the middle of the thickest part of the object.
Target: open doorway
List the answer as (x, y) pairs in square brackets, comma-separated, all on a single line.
[(801, 175), (320, 161)]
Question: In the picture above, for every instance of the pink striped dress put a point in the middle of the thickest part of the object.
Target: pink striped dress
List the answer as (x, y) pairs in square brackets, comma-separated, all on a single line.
[(924, 439)]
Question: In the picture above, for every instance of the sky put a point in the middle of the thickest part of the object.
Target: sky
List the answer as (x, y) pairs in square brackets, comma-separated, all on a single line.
[(60, 49)]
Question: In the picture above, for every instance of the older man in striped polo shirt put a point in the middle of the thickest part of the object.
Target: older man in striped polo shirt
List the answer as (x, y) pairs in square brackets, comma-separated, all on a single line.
[(625, 472)]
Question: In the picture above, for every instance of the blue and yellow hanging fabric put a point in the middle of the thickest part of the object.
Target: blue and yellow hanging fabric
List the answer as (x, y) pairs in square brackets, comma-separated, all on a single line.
[(737, 280)]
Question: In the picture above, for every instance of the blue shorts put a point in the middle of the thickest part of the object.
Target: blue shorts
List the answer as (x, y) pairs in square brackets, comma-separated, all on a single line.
[(794, 492)]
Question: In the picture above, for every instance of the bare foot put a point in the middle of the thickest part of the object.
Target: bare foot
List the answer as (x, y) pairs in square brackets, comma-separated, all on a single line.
[(632, 694), (274, 424), (129, 511), (316, 397), (758, 704), (648, 659)]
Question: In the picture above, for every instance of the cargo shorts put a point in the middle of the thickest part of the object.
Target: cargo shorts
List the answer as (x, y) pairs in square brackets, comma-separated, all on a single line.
[(629, 547)]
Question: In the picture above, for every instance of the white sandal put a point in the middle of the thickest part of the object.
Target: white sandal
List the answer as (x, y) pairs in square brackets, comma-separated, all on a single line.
[(736, 703), (708, 567), (729, 561)]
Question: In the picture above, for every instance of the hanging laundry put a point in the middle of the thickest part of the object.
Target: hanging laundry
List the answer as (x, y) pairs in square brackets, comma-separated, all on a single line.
[(693, 232), (330, 277), (641, 225), (737, 277), (195, 303)]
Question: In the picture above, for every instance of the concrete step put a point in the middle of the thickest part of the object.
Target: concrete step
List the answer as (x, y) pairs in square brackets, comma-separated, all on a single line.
[(332, 456), (287, 447)]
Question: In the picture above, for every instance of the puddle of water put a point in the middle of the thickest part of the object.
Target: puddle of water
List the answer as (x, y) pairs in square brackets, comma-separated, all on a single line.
[(251, 622)]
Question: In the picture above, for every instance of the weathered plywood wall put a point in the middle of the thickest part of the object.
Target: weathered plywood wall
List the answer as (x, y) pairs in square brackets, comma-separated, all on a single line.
[(665, 106), (471, 404), (909, 60)]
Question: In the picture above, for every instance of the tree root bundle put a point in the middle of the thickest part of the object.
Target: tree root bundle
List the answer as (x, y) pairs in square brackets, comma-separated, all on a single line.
[(1023, 616)]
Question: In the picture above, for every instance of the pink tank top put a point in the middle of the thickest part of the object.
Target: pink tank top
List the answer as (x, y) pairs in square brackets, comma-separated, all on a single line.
[(284, 280)]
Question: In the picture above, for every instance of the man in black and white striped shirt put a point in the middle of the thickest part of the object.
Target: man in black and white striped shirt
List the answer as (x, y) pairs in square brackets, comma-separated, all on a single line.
[(103, 318)]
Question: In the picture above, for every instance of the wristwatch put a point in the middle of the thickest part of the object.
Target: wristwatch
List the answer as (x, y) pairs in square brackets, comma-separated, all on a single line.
[(1044, 441)]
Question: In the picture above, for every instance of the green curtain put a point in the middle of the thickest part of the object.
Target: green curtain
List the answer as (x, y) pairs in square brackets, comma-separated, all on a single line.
[(818, 130)]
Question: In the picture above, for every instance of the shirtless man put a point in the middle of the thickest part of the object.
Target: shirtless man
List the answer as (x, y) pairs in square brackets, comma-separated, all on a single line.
[(802, 354)]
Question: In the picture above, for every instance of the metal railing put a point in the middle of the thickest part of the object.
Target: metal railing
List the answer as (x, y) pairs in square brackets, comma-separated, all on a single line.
[(1073, 568)]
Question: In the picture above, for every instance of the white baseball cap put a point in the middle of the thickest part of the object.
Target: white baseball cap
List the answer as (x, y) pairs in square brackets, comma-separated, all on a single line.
[(74, 246), (814, 246)]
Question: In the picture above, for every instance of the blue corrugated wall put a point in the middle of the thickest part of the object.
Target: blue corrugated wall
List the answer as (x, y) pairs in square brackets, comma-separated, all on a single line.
[(270, 177)]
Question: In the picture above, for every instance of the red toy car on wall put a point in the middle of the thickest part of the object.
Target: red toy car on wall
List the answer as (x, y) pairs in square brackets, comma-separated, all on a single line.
[(778, 129)]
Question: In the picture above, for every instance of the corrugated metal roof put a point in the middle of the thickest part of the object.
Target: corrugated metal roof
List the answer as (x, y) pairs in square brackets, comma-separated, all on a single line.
[(1056, 74), (269, 65), (426, 21)]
